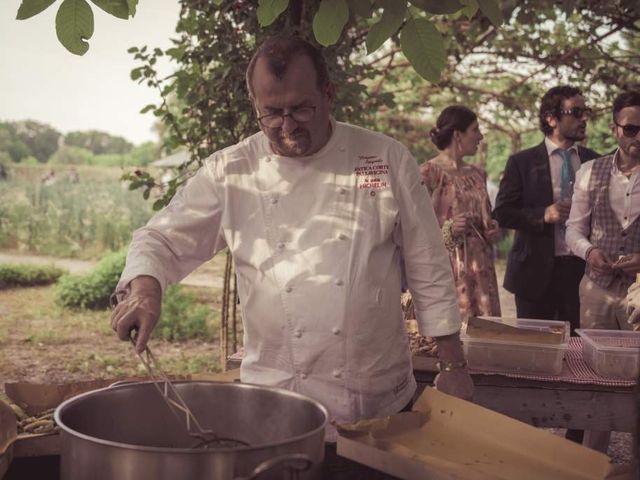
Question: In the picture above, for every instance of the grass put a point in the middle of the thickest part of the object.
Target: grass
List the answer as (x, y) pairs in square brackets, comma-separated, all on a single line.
[(42, 342)]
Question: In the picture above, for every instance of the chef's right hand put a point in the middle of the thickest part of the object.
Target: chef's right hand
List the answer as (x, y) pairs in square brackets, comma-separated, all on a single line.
[(139, 310)]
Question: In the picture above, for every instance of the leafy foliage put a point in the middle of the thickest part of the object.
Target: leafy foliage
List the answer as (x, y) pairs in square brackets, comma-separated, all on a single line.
[(28, 138), (330, 19), (91, 290), (14, 275), (182, 318), (74, 19), (98, 142)]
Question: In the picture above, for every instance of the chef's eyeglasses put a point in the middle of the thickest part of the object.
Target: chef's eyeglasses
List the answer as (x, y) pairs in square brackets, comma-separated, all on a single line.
[(299, 114), (629, 130), (577, 112)]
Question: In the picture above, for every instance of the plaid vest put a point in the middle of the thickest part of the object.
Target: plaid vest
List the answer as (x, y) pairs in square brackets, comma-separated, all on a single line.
[(606, 232)]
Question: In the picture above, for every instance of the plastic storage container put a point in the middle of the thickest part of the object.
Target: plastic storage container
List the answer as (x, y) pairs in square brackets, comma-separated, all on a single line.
[(612, 353), (514, 356)]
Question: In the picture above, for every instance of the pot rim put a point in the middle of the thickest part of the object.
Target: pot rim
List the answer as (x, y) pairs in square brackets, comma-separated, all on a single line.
[(197, 451)]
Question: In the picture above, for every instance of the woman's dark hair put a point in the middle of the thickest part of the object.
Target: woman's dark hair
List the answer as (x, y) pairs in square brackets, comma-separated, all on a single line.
[(551, 104), (624, 100), (452, 118), (279, 50)]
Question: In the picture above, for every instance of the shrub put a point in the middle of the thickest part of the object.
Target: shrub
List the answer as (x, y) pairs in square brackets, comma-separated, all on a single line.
[(181, 318), (92, 290), (12, 275)]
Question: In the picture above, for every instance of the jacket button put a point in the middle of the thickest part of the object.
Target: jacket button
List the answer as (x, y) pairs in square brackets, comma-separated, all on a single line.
[(274, 200), (342, 191), (303, 376), (288, 289), (297, 333), (280, 245), (342, 236), (339, 283), (336, 373), (335, 330)]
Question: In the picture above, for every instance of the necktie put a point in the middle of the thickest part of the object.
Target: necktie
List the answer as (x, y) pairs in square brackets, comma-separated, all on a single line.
[(567, 175)]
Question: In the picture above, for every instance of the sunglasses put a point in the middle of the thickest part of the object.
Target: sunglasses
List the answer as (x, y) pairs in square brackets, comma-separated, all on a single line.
[(577, 112), (629, 130)]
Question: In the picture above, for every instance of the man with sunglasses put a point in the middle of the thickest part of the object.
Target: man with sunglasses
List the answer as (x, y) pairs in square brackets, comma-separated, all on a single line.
[(317, 214), (604, 228), (534, 199)]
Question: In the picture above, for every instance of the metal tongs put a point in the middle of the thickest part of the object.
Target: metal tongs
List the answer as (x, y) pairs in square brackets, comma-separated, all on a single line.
[(177, 405)]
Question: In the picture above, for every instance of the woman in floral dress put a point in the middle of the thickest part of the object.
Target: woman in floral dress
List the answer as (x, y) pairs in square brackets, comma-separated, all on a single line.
[(459, 193)]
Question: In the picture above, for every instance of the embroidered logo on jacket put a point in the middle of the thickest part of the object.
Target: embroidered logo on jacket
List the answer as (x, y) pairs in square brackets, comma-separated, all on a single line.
[(372, 173)]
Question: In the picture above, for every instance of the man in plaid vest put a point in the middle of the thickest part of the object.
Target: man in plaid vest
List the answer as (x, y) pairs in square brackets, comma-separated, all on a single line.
[(604, 228)]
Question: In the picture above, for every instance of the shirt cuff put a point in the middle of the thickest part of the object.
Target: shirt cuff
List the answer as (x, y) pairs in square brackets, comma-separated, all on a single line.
[(439, 324), (134, 271)]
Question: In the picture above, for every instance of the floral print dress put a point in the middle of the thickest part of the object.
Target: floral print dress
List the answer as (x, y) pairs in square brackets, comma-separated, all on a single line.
[(472, 260)]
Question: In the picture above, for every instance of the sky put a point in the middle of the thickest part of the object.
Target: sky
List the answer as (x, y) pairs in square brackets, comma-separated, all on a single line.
[(40, 80)]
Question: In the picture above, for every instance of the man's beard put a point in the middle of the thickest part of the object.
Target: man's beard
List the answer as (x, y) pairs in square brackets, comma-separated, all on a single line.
[(576, 135), (295, 145)]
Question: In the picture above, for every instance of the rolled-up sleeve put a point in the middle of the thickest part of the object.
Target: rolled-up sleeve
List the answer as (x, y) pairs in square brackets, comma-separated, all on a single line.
[(579, 222), (182, 236), (428, 269)]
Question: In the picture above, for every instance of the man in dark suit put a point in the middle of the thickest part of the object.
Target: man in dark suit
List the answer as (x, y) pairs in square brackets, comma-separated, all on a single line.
[(534, 199)]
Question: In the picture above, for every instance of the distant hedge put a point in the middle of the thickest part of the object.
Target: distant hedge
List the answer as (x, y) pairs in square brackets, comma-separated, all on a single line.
[(91, 290), (20, 275)]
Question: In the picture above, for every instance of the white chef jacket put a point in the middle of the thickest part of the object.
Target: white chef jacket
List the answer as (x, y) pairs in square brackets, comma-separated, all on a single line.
[(317, 243)]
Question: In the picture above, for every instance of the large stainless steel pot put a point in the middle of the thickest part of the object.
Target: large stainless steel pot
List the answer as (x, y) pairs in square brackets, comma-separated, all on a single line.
[(127, 432)]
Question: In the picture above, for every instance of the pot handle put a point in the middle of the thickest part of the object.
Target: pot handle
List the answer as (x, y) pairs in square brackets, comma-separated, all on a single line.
[(295, 462)]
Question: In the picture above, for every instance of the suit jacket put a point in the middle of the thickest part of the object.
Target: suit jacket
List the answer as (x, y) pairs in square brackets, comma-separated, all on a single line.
[(525, 191)]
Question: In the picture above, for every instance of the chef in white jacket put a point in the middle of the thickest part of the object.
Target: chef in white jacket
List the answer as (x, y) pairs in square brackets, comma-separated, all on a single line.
[(317, 214)]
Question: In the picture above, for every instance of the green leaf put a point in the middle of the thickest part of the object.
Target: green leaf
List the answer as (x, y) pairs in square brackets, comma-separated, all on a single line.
[(74, 25), (217, 3), (329, 20), (491, 10), (438, 7), (269, 10), (132, 5), (391, 20), (29, 8), (470, 9), (424, 47), (148, 108), (136, 73), (361, 8), (117, 8)]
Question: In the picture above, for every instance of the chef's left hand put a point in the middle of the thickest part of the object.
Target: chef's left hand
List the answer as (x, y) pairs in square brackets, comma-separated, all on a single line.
[(456, 382), (633, 306)]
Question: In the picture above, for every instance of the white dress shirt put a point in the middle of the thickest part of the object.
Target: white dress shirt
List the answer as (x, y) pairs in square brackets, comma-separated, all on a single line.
[(624, 198), (555, 167), (316, 243)]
